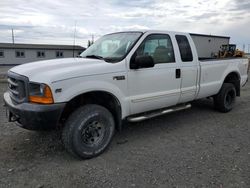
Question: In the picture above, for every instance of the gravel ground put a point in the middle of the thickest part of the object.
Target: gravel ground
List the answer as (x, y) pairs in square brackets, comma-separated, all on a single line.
[(198, 147), (3, 71)]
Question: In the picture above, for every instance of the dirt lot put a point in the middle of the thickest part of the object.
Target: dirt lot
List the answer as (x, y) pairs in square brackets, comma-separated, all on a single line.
[(198, 147)]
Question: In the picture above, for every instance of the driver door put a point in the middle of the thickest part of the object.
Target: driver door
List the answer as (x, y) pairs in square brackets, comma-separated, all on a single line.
[(155, 87)]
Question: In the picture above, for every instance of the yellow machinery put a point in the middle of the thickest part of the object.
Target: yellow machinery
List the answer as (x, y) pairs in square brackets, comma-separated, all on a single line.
[(229, 50)]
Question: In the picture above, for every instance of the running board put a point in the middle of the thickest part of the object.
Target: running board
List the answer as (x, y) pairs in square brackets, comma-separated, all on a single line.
[(153, 114)]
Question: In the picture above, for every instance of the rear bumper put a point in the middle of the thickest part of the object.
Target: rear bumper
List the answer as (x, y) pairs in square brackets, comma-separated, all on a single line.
[(34, 116)]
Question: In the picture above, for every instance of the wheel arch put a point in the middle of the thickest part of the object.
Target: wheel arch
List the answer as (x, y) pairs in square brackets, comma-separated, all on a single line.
[(233, 78), (99, 97)]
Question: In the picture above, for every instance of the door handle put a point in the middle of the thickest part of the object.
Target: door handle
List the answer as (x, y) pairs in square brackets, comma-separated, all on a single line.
[(177, 73)]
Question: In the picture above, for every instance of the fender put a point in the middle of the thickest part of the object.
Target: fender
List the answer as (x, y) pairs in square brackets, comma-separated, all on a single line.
[(74, 87), (231, 69), (211, 82)]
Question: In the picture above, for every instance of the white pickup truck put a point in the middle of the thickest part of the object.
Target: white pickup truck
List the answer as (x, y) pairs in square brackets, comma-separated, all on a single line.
[(129, 76)]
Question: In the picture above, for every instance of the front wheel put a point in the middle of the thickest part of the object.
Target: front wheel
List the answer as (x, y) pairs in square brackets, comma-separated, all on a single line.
[(88, 131), (224, 101)]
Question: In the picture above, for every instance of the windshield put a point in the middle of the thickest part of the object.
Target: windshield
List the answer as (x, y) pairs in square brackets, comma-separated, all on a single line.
[(112, 47)]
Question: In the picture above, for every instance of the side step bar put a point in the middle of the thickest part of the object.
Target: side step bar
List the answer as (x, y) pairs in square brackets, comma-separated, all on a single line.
[(153, 114)]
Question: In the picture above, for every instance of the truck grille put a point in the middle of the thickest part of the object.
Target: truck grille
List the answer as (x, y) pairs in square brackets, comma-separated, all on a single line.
[(17, 87)]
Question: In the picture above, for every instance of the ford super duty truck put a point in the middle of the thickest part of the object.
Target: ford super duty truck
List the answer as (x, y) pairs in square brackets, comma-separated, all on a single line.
[(128, 76)]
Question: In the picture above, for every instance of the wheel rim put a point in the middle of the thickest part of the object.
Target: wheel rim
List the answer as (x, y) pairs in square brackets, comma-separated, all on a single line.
[(229, 98), (93, 133)]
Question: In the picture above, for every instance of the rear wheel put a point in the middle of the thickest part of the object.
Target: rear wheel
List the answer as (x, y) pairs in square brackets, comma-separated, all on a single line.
[(88, 131), (224, 101)]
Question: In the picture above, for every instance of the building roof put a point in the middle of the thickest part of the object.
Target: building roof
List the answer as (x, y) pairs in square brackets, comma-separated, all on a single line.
[(39, 46), (205, 35)]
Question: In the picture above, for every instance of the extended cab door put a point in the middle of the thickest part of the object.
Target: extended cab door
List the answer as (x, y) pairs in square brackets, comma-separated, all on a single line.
[(189, 68), (155, 87)]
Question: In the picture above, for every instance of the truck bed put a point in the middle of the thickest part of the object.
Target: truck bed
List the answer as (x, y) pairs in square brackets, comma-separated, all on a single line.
[(213, 72), (214, 58)]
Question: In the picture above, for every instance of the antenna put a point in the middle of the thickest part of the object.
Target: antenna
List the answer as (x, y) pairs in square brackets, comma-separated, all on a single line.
[(13, 38), (74, 41)]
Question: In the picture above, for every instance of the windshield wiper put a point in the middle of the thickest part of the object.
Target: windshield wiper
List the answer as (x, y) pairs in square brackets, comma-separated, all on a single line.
[(94, 56), (111, 59), (107, 59)]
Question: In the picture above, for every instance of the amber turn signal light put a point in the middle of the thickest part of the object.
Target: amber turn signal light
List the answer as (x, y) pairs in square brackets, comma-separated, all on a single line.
[(47, 97)]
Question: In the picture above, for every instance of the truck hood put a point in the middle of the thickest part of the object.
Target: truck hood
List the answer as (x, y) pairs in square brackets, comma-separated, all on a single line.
[(48, 71)]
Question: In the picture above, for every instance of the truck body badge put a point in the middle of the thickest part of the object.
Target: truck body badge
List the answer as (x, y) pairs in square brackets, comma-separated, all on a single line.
[(119, 78), (58, 90)]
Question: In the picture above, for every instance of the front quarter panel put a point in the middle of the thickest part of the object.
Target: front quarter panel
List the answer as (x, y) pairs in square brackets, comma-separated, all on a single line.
[(105, 82)]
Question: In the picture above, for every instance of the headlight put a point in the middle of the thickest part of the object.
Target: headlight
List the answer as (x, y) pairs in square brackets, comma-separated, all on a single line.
[(40, 93)]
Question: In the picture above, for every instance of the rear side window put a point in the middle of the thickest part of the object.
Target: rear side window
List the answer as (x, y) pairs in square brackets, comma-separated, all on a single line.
[(184, 47)]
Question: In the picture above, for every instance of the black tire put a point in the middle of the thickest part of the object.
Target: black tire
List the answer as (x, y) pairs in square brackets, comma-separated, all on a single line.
[(88, 131), (224, 101)]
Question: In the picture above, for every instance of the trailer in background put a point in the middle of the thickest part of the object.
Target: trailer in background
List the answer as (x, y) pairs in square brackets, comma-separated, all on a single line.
[(208, 46)]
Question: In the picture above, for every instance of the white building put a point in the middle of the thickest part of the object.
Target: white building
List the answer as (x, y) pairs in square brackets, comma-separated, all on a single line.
[(15, 54)]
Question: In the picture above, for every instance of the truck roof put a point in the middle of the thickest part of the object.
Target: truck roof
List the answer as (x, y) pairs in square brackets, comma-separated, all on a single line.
[(145, 31), (157, 31)]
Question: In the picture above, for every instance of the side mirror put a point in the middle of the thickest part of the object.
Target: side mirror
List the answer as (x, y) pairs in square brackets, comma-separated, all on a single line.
[(144, 61)]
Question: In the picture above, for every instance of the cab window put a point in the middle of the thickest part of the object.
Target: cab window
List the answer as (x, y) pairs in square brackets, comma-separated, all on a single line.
[(159, 47)]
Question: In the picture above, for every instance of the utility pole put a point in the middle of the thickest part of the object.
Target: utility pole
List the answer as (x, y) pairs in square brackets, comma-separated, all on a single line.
[(13, 38), (74, 41), (92, 39)]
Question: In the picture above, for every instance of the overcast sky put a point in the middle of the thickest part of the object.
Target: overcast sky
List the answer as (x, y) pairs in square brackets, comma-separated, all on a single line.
[(53, 21)]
